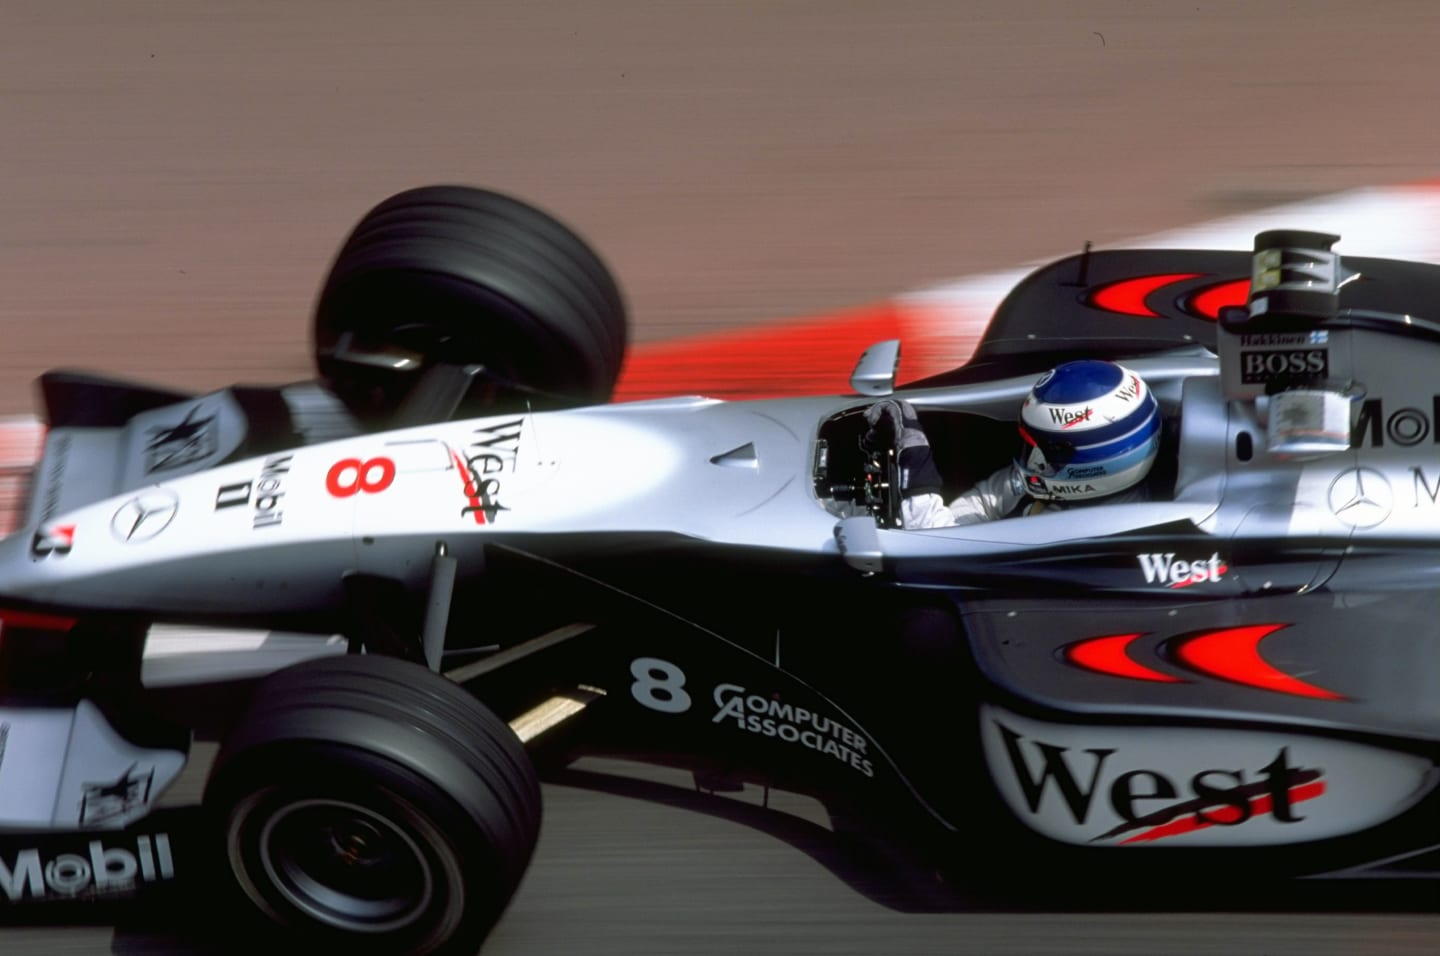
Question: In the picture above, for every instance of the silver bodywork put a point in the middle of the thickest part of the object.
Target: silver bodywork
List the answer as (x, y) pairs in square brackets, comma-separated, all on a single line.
[(281, 528)]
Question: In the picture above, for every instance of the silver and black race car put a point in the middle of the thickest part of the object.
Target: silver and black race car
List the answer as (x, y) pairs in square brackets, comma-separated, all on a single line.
[(483, 568)]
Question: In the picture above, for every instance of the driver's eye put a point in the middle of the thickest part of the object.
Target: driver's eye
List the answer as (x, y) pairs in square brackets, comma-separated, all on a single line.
[(1058, 454)]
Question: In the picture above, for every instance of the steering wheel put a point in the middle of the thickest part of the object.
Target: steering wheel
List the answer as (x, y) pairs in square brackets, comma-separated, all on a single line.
[(880, 484), (894, 518)]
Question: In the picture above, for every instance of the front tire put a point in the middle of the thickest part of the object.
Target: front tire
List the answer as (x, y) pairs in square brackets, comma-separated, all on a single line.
[(366, 803), (465, 276)]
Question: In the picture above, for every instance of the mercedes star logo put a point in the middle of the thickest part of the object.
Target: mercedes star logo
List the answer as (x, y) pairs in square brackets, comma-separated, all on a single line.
[(1361, 497), (144, 516)]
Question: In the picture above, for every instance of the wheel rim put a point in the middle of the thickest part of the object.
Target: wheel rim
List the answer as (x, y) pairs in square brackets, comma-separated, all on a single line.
[(346, 865)]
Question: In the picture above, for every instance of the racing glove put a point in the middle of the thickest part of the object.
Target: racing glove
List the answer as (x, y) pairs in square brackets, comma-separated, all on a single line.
[(895, 424)]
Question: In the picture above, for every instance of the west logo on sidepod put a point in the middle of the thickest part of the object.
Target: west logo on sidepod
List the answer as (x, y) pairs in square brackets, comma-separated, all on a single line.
[(1127, 785), (1151, 804)]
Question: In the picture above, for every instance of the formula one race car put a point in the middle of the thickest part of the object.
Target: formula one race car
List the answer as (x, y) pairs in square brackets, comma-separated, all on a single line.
[(486, 568)]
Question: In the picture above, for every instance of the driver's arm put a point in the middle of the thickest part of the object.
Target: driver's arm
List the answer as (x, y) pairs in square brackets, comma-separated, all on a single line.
[(995, 496), (925, 511), (992, 497)]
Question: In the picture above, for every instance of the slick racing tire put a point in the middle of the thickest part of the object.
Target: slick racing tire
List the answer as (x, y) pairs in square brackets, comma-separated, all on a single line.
[(366, 805), (464, 276)]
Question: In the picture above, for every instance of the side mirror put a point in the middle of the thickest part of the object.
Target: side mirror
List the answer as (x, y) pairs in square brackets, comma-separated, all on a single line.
[(875, 372), (859, 541)]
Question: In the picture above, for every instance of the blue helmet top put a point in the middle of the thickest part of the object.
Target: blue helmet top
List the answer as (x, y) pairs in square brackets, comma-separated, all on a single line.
[(1091, 428)]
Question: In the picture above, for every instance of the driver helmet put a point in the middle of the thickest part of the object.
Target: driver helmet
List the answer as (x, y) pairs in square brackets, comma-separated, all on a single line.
[(1091, 428)]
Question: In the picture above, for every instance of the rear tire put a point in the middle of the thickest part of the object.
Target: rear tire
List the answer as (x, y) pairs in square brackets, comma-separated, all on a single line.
[(465, 276), (365, 803)]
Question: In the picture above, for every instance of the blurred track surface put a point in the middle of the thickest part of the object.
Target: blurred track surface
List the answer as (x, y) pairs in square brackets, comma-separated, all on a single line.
[(174, 178)]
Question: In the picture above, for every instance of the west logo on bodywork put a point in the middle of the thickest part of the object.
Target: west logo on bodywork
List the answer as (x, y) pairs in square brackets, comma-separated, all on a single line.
[(1130, 785), (1174, 572), (1211, 796), (491, 453)]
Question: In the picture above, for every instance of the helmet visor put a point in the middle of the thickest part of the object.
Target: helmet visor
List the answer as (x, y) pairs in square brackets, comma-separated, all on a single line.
[(1057, 452)]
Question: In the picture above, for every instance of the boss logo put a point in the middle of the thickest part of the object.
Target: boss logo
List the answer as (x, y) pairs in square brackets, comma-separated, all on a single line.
[(1260, 366)]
